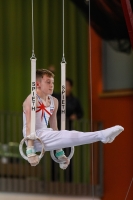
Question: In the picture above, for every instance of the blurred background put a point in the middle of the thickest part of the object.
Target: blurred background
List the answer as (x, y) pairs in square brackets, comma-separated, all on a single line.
[(15, 52), (16, 47)]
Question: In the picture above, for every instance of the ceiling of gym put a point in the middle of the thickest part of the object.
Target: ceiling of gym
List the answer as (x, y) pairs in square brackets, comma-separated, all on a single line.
[(107, 19)]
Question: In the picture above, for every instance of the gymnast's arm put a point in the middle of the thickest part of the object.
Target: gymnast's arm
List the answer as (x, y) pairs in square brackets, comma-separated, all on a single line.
[(53, 117), (27, 110), (34, 160), (53, 125)]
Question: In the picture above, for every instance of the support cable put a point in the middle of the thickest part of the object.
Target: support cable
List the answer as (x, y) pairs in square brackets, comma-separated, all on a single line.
[(91, 111)]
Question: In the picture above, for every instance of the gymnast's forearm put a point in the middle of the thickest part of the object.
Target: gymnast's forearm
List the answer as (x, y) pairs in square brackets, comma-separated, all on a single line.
[(29, 142)]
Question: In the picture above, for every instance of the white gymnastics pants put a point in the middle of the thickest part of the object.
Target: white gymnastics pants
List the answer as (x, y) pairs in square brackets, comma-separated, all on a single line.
[(54, 140)]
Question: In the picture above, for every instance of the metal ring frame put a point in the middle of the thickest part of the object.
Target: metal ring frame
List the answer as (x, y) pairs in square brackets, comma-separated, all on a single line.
[(21, 147)]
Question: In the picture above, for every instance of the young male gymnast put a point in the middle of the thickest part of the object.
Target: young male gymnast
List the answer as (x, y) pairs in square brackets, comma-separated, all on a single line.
[(53, 139)]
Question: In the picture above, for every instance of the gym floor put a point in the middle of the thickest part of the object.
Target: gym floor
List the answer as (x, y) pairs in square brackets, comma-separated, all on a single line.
[(16, 196)]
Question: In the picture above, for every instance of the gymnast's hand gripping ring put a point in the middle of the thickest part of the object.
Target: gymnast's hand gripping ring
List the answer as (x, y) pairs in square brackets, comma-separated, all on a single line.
[(58, 161), (21, 147)]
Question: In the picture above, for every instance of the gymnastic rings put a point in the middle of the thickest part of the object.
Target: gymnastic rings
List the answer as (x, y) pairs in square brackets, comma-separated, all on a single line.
[(21, 147), (58, 161)]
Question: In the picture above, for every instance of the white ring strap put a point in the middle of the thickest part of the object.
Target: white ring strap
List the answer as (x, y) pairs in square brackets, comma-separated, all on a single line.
[(63, 109), (63, 96), (32, 135), (33, 98)]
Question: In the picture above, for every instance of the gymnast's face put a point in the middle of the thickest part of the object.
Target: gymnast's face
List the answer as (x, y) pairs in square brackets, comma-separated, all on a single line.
[(46, 84)]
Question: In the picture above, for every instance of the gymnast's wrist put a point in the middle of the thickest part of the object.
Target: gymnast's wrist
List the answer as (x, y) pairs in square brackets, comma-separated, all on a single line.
[(30, 151), (30, 143), (59, 153)]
